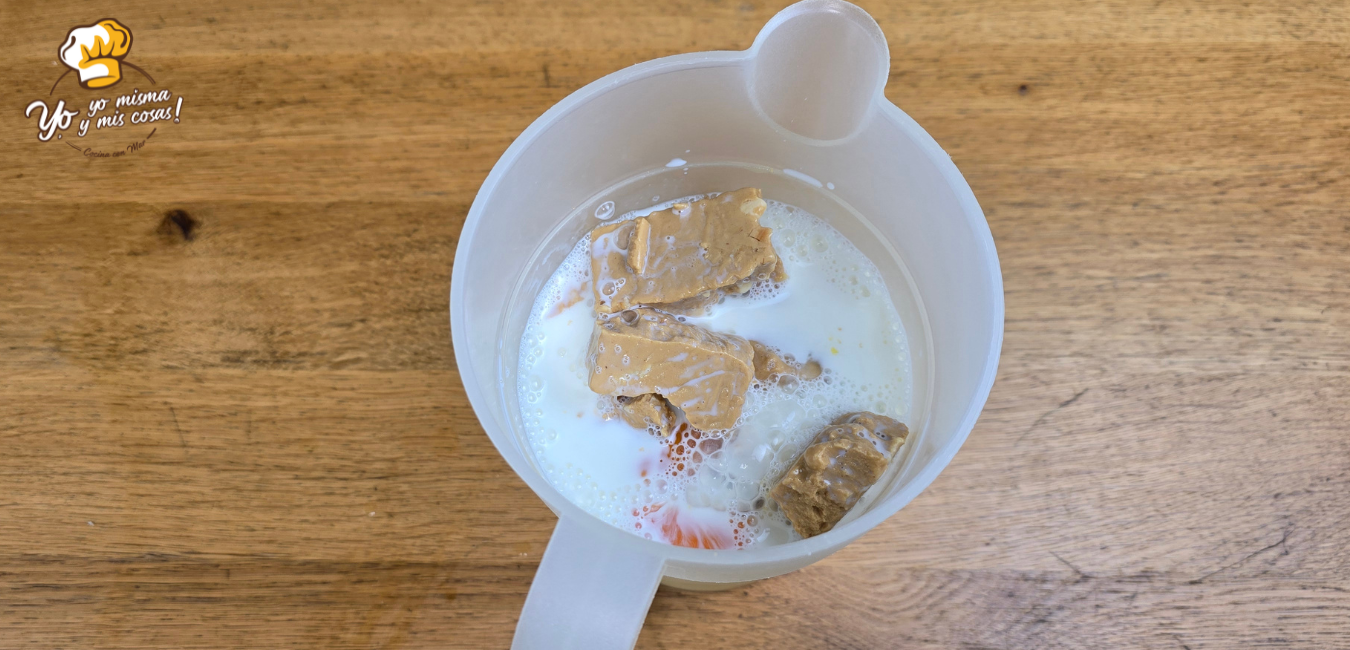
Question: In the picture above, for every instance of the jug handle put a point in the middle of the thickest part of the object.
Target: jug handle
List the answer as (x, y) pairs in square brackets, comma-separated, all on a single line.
[(589, 593)]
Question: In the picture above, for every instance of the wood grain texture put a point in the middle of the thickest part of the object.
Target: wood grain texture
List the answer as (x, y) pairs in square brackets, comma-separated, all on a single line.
[(257, 437)]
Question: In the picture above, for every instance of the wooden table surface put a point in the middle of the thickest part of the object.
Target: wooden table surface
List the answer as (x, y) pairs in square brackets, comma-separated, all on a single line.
[(245, 428)]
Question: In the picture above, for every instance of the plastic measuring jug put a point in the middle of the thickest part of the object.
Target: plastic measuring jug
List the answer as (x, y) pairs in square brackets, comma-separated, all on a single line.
[(801, 115)]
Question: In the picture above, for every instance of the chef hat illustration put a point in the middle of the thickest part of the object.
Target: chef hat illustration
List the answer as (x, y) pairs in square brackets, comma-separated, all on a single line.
[(96, 52)]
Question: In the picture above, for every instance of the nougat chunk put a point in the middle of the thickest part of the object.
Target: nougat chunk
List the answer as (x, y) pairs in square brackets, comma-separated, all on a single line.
[(650, 411), (642, 350), (886, 434), (698, 305), (770, 365), (845, 459), (694, 251)]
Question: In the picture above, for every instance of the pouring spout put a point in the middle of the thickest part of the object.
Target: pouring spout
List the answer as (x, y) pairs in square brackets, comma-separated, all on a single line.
[(818, 67)]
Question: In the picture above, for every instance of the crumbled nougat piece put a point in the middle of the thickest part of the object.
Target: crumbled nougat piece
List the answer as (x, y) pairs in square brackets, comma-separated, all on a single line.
[(769, 364), (649, 411), (845, 459)]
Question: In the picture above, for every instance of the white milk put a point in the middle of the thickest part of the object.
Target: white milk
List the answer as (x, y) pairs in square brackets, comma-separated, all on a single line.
[(711, 490)]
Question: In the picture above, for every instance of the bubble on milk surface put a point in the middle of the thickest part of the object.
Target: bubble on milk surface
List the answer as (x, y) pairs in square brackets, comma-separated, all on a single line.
[(706, 489)]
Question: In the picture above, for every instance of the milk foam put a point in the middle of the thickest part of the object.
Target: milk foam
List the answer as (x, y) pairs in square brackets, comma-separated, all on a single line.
[(710, 489)]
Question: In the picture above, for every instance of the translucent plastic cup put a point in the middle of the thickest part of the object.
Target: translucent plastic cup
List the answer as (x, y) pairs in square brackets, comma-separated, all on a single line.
[(802, 115)]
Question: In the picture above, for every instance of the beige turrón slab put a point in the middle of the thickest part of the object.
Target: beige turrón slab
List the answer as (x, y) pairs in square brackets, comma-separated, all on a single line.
[(686, 256), (704, 373)]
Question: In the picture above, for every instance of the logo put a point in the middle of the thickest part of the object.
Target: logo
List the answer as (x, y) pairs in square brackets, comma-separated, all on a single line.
[(97, 54)]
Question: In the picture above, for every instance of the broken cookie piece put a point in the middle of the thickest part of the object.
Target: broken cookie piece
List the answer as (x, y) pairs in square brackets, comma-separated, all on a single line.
[(650, 411), (687, 256), (770, 365), (642, 350), (845, 459)]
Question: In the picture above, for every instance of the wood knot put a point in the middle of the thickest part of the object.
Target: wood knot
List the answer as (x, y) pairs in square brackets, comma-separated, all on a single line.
[(178, 223), (1023, 89)]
